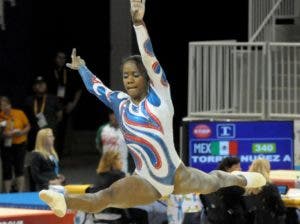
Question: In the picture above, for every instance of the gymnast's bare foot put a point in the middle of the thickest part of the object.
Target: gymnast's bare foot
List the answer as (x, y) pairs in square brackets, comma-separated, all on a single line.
[(254, 179), (55, 200)]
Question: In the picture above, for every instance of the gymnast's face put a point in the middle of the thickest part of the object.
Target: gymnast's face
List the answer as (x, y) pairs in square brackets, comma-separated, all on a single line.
[(134, 82)]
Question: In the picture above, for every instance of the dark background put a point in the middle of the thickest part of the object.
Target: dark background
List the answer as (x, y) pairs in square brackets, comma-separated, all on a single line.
[(37, 29)]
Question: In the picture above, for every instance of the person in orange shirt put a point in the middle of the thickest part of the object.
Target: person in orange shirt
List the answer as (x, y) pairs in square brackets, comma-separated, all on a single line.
[(16, 127)]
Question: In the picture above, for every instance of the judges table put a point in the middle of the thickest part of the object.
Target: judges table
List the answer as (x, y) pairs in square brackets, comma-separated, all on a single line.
[(291, 201), (27, 208), (291, 179), (77, 188)]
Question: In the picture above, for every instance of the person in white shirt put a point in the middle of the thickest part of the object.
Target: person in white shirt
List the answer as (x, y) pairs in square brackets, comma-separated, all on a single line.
[(109, 137)]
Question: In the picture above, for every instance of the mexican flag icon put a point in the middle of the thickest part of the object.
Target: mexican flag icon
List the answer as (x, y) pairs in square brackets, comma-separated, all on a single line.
[(224, 148)]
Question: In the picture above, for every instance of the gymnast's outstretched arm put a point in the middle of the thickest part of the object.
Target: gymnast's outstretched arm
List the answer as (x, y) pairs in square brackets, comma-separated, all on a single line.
[(93, 84), (152, 65)]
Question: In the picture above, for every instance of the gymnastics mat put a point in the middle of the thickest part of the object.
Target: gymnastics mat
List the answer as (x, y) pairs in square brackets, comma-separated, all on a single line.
[(32, 216)]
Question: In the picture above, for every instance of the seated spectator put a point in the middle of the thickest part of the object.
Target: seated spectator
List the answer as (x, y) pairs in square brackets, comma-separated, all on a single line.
[(264, 204), (109, 170), (44, 165), (227, 204), (183, 208)]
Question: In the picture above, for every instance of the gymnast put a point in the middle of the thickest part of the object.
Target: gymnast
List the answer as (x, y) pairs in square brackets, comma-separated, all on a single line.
[(145, 114)]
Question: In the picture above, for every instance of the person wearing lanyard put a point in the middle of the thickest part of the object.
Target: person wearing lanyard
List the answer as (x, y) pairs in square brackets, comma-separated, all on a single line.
[(67, 87), (44, 110), (14, 149)]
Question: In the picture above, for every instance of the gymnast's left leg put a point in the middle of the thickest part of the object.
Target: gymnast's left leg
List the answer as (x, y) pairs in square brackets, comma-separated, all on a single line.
[(124, 193), (190, 180)]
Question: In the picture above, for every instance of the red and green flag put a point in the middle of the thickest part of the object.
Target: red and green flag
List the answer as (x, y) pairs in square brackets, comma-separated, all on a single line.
[(224, 148)]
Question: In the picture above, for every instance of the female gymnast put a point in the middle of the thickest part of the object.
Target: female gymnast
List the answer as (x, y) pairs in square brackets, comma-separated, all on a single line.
[(145, 115)]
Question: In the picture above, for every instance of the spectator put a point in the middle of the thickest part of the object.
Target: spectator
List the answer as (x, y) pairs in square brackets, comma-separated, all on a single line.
[(44, 165), (227, 204), (182, 208), (14, 147), (43, 110), (109, 137), (230, 164), (109, 170), (264, 204), (66, 86), (2, 126)]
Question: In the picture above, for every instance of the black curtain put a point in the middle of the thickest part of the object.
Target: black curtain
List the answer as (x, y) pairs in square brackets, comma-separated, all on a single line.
[(37, 29)]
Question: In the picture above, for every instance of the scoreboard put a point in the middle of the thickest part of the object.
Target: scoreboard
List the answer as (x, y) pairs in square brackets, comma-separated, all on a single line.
[(209, 142)]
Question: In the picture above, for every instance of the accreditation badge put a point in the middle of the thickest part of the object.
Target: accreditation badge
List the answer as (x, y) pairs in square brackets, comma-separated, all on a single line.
[(41, 120), (7, 142), (61, 91)]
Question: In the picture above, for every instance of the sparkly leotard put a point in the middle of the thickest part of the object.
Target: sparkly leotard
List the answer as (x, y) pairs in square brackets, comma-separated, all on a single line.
[(148, 126)]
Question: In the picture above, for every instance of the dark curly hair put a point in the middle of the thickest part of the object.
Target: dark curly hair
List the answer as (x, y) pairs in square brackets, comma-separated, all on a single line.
[(228, 162), (137, 59)]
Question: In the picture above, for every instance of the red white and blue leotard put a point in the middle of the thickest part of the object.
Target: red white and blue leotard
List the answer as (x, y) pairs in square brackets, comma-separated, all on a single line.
[(148, 126)]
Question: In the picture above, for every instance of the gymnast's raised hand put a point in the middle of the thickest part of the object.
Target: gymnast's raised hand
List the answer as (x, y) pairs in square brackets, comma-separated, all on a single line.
[(76, 61), (137, 10)]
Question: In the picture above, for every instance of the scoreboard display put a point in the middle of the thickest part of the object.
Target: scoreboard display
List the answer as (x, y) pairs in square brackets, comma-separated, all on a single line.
[(209, 142)]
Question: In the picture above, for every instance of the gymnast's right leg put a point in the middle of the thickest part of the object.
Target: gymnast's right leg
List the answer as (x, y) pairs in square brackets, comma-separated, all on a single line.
[(125, 193), (190, 180)]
